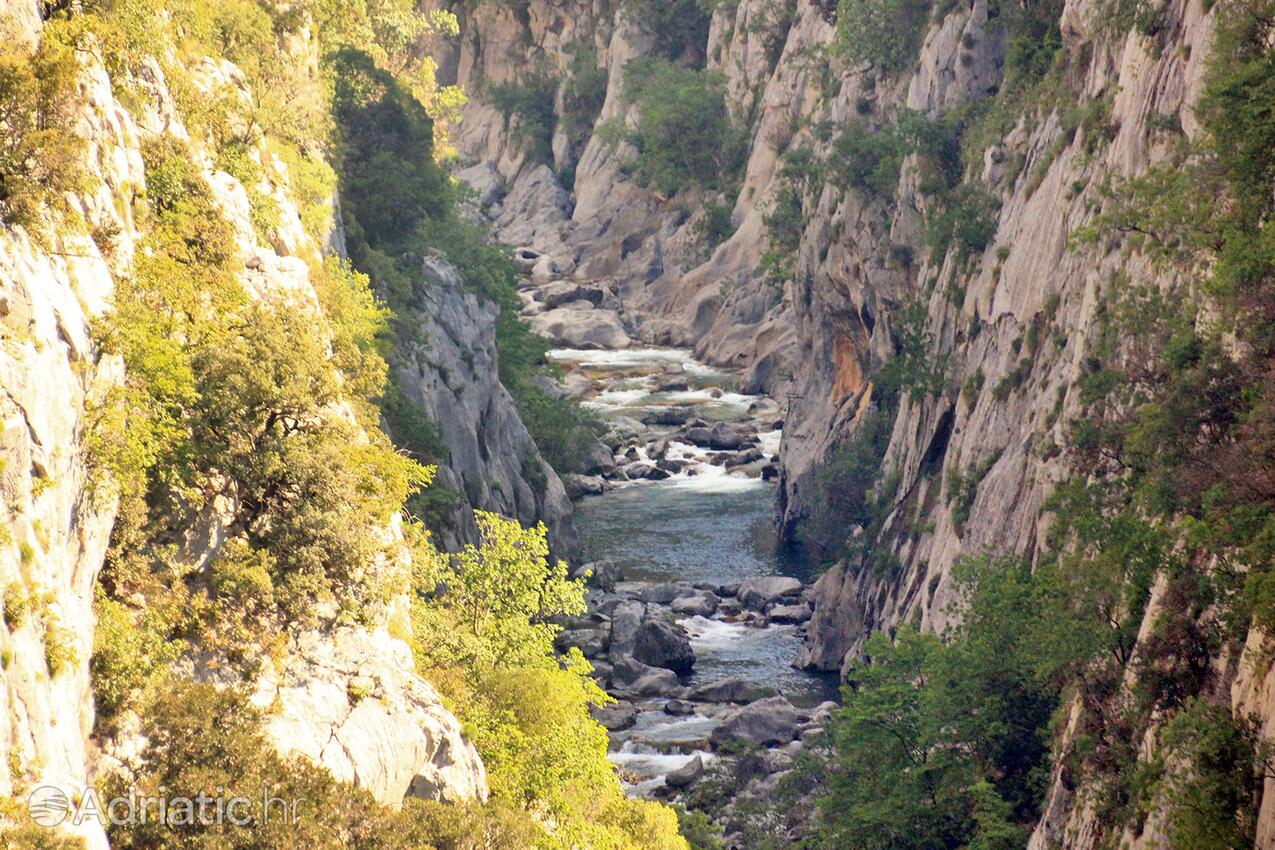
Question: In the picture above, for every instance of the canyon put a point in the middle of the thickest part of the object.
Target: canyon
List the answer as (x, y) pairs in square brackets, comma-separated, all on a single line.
[(847, 352)]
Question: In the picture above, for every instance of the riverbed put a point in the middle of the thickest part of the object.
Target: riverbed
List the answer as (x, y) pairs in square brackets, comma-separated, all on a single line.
[(705, 524)]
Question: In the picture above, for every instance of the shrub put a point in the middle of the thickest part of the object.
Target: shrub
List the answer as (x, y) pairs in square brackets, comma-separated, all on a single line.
[(39, 151), (967, 223), (886, 33), (529, 106), (684, 134)]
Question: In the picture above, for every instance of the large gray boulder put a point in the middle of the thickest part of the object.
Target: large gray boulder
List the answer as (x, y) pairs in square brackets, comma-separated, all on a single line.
[(701, 603), (581, 325), (686, 775), (758, 592), (626, 622), (732, 689), (632, 678), (766, 722), (664, 644), (615, 717)]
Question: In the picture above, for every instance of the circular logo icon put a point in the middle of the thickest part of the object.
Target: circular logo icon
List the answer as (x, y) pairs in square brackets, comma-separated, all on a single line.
[(48, 805)]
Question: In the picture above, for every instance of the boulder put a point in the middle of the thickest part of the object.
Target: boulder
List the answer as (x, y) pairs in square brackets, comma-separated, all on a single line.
[(602, 574), (734, 689), (671, 416), (724, 437), (615, 717), (579, 486), (759, 592), (591, 642), (679, 708), (789, 613), (766, 722), (645, 471), (702, 603), (664, 644), (581, 325), (630, 677), (626, 622), (700, 436), (663, 594), (743, 458), (686, 775)]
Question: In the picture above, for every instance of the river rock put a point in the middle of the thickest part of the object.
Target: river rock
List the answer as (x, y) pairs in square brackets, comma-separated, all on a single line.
[(734, 689), (597, 460), (626, 426), (664, 644), (663, 594), (626, 621), (699, 435), (579, 486), (789, 613), (603, 575), (673, 416), (743, 458), (760, 591), (702, 603), (679, 708), (631, 677), (645, 471), (589, 641), (615, 717), (765, 722), (724, 437), (581, 325), (686, 775)]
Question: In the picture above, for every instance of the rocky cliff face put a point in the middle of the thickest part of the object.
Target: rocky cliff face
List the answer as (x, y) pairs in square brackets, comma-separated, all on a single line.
[(492, 462), (56, 525), (1010, 321)]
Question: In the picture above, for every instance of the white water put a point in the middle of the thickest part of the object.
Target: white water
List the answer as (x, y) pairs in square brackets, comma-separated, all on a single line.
[(704, 523)]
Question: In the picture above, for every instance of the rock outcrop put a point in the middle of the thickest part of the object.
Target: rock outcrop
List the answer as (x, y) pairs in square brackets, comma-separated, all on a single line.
[(351, 700), (492, 462)]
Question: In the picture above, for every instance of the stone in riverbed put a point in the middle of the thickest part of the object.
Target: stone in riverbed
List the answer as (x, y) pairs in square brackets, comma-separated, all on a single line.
[(645, 471), (664, 644), (700, 604), (581, 325), (668, 416), (699, 435), (686, 775), (591, 642), (579, 486), (758, 592), (724, 437), (617, 717), (626, 621), (630, 677), (743, 458), (679, 708), (789, 613), (734, 689), (766, 722)]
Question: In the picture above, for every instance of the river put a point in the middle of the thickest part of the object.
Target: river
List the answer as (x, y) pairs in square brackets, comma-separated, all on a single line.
[(706, 525)]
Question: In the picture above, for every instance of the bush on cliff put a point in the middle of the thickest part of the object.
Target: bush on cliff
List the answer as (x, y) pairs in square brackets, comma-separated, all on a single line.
[(685, 135)]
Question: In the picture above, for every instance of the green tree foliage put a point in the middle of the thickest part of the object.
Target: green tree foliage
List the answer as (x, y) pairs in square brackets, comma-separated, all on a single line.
[(39, 150), (530, 105), (886, 33), (484, 631), (685, 135), (940, 744)]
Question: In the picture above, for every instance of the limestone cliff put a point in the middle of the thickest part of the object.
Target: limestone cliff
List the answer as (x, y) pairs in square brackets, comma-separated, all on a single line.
[(1010, 320), (56, 523)]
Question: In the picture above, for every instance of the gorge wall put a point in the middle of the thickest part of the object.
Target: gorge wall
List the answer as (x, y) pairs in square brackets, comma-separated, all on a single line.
[(1006, 318)]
